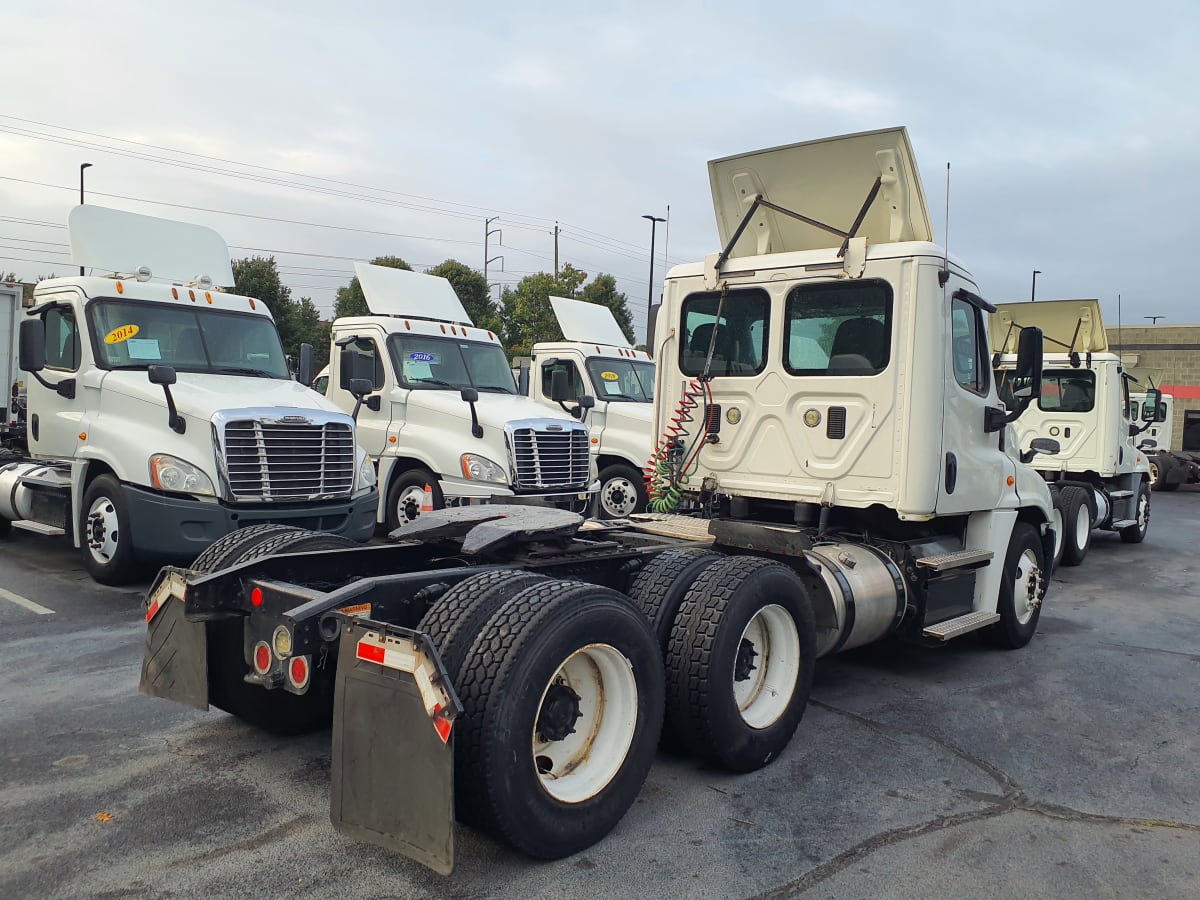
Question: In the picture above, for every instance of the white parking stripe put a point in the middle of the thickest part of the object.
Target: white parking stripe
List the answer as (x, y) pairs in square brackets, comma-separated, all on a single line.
[(27, 604)]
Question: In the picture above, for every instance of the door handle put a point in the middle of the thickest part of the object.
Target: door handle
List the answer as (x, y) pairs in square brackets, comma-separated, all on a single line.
[(951, 472)]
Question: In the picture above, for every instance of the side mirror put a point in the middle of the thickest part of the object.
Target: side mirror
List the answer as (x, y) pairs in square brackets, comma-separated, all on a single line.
[(469, 395), (32, 350), (1147, 444), (306, 364), (374, 403), (1028, 371), (587, 401), (1049, 446), (1153, 409), (346, 370), (360, 387), (161, 374), (560, 386)]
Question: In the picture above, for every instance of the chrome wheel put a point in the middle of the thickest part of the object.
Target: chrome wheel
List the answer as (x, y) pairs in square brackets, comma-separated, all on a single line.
[(1027, 587), (618, 497), (409, 503), (102, 530)]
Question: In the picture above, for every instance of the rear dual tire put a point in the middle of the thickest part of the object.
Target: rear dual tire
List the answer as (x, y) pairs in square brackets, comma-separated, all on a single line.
[(1077, 525)]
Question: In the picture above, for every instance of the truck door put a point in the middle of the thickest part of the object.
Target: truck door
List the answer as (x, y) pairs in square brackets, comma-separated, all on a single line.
[(366, 361), (54, 420), (974, 470)]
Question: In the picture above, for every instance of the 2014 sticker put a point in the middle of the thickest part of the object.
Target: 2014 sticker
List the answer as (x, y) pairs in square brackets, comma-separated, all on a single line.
[(121, 333)]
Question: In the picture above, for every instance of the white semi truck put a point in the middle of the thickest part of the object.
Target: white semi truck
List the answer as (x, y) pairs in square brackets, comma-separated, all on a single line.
[(1100, 478), (1169, 466), (160, 411), (597, 360), (442, 408), (854, 475)]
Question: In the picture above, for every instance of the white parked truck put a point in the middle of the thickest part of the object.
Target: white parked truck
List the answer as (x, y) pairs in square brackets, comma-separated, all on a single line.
[(596, 359), (160, 411), (513, 667), (11, 382), (1099, 478), (442, 409), (1169, 467)]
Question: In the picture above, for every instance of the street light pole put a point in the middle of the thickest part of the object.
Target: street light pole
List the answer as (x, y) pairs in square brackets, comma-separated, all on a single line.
[(654, 220), (1033, 290), (82, 166), (1153, 319)]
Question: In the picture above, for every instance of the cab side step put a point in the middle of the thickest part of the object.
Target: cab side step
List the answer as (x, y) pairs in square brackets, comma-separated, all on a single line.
[(1115, 526), (38, 527), (960, 559), (952, 628), (1120, 495)]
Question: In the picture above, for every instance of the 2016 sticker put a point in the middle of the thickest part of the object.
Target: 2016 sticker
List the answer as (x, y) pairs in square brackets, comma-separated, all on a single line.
[(121, 333), (418, 356)]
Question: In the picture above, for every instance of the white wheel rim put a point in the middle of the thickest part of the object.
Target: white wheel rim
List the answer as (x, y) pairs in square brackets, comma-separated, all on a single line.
[(767, 666), (618, 497), (573, 767), (1058, 532), (408, 504), (1143, 513), (1154, 471), (1027, 587), (102, 532), (1083, 527)]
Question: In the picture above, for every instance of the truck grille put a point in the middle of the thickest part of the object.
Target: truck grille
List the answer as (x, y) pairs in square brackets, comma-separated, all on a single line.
[(266, 460), (545, 459)]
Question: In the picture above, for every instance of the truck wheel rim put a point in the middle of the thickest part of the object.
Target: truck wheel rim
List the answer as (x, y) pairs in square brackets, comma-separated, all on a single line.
[(408, 504), (585, 724), (102, 530), (1083, 527), (618, 497), (766, 667), (1143, 512), (1027, 587), (1058, 532), (1154, 472)]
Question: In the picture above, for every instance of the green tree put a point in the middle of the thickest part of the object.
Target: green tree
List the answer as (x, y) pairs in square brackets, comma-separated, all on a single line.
[(350, 299), (257, 277), (311, 330), (472, 290)]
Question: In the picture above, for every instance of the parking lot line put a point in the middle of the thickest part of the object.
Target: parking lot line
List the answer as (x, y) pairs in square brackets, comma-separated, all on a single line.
[(26, 603)]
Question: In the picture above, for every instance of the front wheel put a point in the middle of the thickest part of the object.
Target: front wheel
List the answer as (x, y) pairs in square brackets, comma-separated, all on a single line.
[(622, 491), (1021, 591), (104, 535), (1136, 533), (406, 497)]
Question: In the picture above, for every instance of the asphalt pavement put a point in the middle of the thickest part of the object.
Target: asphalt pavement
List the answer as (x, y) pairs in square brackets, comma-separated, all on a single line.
[(1068, 769)]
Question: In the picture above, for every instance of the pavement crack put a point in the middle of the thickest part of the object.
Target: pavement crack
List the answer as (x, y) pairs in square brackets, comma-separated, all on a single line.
[(260, 840)]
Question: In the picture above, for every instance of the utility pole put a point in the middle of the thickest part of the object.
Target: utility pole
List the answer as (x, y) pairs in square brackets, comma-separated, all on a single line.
[(556, 231), (82, 166), (488, 231), (654, 220)]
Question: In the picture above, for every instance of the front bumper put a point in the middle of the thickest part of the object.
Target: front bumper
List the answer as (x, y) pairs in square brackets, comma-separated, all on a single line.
[(484, 492), (175, 527)]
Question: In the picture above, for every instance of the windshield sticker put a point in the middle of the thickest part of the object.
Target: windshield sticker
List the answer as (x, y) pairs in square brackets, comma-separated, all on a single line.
[(121, 333), (143, 348), (417, 371), (609, 376), (420, 356)]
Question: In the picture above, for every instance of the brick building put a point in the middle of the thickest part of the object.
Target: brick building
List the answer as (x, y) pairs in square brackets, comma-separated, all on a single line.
[(1170, 354)]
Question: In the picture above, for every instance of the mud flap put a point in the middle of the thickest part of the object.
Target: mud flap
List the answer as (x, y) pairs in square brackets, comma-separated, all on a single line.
[(393, 754), (175, 664)]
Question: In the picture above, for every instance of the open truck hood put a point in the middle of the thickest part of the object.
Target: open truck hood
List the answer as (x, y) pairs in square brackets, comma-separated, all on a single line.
[(827, 180), (399, 292), (589, 323), (1058, 320)]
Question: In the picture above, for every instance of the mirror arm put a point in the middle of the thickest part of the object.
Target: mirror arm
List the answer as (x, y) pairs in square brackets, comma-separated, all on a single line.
[(64, 388), (476, 428), (174, 419)]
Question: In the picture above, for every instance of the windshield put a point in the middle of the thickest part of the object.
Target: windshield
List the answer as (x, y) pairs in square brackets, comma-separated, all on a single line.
[(622, 379), (134, 334), (444, 363)]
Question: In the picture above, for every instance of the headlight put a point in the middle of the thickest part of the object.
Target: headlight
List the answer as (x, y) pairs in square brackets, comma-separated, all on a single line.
[(366, 473), (479, 468), (170, 474)]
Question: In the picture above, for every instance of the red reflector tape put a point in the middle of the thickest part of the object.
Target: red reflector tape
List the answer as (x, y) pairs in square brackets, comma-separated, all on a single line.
[(153, 610), (441, 724), (370, 652)]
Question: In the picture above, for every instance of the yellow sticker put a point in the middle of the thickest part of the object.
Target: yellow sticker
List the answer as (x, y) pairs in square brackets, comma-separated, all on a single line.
[(124, 333), (358, 609), (609, 376)]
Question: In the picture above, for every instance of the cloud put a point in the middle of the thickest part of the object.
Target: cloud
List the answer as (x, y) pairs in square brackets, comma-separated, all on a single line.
[(821, 94)]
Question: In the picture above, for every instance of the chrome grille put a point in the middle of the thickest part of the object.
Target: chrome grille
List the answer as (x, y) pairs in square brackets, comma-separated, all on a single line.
[(272, 460), (549, 459)]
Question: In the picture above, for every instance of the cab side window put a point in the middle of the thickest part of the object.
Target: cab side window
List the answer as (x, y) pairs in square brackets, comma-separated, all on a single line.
[(365, 362), (574, 379), (968, 350), (62, 339)]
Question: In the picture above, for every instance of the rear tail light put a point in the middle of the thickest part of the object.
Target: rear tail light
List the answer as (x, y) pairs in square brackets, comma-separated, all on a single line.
[(262, 658), (298, 672)]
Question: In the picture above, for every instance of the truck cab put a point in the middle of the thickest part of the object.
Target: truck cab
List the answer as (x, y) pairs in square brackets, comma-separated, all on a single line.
[(441, 409), (161, 413), (1099, 478), (596, 359), (824, 384)]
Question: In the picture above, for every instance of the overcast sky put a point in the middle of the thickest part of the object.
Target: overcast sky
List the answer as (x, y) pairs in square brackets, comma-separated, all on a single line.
[(1071, 128)]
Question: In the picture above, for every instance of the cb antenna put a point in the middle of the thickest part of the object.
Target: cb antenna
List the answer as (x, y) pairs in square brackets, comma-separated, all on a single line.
[(944, 275)]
